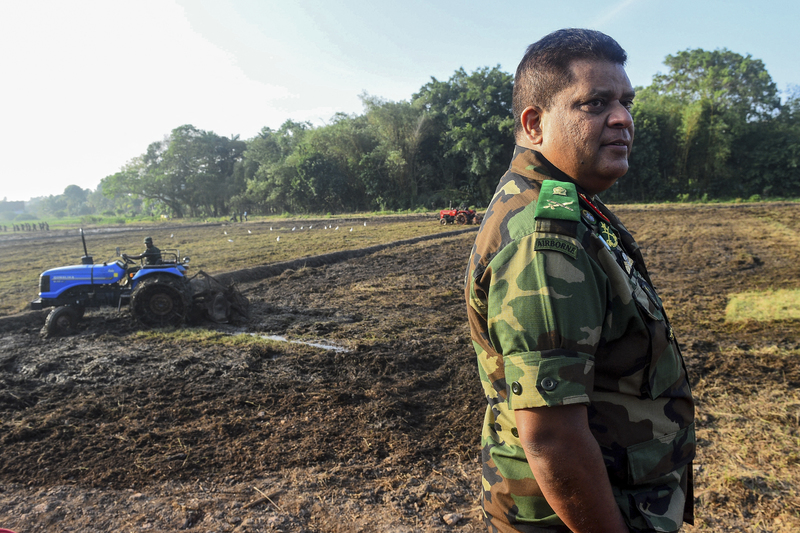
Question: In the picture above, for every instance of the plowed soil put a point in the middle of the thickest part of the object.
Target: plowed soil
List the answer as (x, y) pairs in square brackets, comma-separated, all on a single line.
[(112, 429)]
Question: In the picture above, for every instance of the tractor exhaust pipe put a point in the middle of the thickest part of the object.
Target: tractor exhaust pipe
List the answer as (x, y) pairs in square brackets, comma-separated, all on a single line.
[(86, 259)]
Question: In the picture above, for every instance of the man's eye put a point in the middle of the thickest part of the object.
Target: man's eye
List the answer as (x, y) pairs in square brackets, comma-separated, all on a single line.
[(594, 106), (628, 104)]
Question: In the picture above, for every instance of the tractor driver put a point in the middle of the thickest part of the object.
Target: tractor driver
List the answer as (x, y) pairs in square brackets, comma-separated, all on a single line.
[(151, 255)]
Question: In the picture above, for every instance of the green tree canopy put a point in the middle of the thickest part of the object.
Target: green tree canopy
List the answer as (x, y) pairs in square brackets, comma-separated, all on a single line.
[(472, 116)]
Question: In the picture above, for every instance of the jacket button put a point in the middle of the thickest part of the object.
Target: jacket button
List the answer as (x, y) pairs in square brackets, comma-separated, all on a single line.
[(548, 383), (516, 388)]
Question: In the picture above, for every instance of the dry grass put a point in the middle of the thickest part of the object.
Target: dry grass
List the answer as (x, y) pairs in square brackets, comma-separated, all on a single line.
[(747, 466)]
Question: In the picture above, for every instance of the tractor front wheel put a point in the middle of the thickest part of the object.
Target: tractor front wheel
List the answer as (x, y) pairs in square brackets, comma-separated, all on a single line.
[(61, 321), (160, 302)]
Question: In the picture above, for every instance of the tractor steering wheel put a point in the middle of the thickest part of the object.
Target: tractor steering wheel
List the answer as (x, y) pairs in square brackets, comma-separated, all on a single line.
[(128, 260)]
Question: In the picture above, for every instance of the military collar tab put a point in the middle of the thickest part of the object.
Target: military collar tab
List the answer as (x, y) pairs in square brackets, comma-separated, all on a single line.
[(558, 200), (534, 166)]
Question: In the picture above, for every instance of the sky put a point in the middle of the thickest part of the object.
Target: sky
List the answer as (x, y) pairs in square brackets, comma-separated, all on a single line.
[(87, 85)]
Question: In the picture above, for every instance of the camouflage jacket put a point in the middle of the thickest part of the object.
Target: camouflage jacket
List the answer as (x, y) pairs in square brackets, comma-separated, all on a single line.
[(151, 255), (562, 311)]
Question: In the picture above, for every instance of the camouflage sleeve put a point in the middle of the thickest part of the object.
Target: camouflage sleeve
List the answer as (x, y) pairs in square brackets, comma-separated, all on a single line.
[(545, 311)]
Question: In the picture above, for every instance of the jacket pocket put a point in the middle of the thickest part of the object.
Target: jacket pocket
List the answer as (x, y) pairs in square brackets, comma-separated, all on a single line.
[(650, 461), (657, 494)]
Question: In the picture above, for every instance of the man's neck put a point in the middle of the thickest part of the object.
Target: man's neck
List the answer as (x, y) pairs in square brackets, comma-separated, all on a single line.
[(555, 172)]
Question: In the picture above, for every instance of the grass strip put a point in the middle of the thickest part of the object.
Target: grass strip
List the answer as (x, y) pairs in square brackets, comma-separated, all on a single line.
[(764, 306)]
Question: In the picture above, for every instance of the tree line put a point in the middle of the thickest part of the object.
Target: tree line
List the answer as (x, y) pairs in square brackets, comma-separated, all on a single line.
[(712, 127)]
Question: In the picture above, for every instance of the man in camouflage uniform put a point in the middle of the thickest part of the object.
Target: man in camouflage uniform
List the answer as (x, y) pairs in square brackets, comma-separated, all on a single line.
[(589, 425), (151, 254)]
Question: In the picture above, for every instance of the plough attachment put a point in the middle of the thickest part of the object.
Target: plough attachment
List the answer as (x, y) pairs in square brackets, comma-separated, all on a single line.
[(217, 301)]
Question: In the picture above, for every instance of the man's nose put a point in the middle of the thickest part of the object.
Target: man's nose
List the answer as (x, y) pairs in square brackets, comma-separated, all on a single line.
[(620, 117)]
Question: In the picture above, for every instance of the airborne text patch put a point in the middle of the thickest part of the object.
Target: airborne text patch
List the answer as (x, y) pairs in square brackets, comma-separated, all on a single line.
[(557, 245)]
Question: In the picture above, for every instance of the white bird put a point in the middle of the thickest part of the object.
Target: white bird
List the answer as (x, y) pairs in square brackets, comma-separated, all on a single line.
[(310, 227), (230, 240), (337, 228), (270, 228), (365, 223), (225, 232), (351, 229), (248, 231), (294, 228), (278, 239), (301, 227), (171, 235)]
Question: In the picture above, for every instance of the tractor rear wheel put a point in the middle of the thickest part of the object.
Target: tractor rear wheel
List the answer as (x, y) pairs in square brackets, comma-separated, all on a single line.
[(61, 321), (160, 301), (461, 219)]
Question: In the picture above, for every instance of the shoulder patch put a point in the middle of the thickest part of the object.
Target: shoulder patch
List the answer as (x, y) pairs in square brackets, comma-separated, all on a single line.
[(557, 245), (558, 199)]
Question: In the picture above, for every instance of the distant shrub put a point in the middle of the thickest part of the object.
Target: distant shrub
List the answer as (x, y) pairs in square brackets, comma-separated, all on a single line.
[(754, 198)]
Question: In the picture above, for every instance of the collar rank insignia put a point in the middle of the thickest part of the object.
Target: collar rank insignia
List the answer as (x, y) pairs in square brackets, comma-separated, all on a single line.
[(608, 235), (552, 204)]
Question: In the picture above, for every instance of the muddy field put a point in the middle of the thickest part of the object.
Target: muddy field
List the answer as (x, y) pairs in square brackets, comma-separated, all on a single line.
[(211, 429)]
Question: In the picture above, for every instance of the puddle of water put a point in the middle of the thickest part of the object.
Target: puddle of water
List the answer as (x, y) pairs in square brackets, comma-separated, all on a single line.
[(314, 344)]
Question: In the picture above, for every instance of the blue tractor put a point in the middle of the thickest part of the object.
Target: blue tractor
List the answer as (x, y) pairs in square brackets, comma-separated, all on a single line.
[(159, 295)]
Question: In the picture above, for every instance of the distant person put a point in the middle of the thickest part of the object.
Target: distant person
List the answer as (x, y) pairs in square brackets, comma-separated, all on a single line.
[(151, 255), (590, 419)]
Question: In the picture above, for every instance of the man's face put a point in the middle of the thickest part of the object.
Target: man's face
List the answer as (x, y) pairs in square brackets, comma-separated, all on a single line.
[(588, 131)]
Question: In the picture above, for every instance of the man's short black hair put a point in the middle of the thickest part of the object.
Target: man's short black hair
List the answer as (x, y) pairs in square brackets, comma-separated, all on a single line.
[(545, 68)]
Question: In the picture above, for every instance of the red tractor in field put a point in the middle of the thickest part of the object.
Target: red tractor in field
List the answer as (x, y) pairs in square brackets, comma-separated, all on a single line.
[(460, 216)]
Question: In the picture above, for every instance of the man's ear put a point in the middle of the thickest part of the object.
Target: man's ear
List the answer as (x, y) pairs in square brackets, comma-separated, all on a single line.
[(531, 119)]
